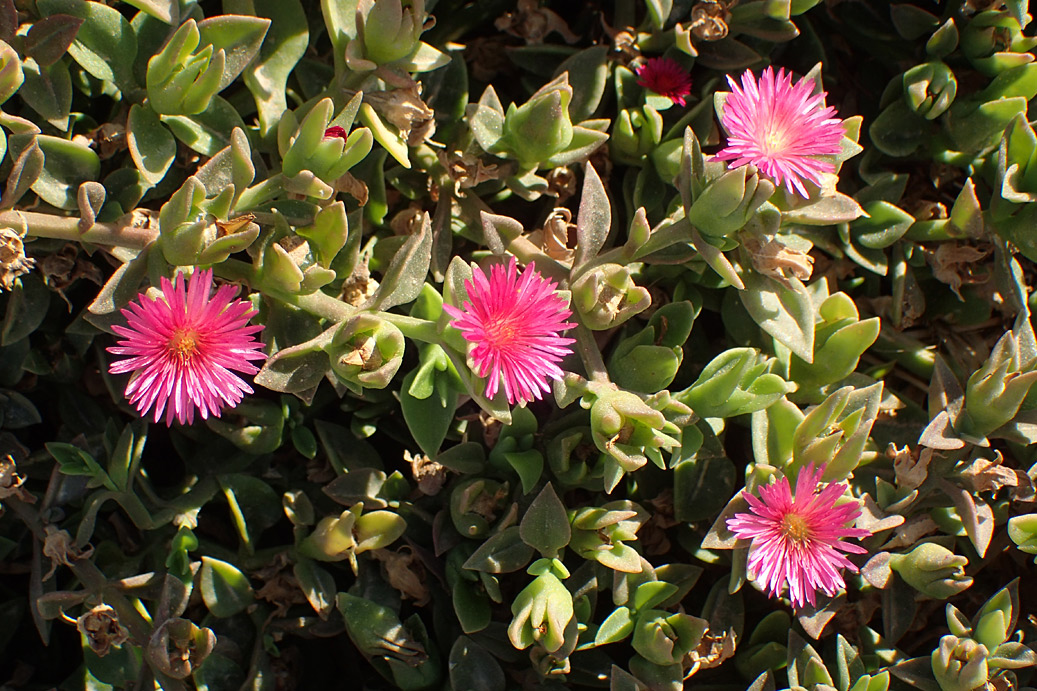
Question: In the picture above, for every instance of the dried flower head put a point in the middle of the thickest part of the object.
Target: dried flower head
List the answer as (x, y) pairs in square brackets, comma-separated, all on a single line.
[(784, 129), (513, 323), (183, 347), (102, 629), (665, 77), (13, 262), (797, 540)]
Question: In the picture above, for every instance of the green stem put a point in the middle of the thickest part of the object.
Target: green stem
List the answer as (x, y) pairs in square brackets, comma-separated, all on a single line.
[(413, 328), (122, 233), (590, 354)]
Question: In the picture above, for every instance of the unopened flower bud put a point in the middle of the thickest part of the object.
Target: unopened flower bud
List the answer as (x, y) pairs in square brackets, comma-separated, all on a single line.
[(476, 504), (327, 152), (636, 134), (598, 533), (179, 647), (960, 664), (930, 89), (664, 638), (995, 392), (337, 538), (630, 431), (181, 82), (541, 612), (729, 201), (366, 351), (540, 127), (736, 382), (933, 570), (391, 31), (607, 296)]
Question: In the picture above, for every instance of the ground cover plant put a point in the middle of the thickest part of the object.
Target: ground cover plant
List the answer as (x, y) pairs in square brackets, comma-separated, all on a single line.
[(390, 344)]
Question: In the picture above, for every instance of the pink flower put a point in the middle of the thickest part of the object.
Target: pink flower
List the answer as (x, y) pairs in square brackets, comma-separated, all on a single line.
[(796, 541), (183, 347), (513, 322), (781, 128), (335, 131), (665, 77)]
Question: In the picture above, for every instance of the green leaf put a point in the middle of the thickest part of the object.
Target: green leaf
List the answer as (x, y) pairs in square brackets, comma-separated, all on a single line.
[(648, 595), (286, 41), (471, 605), (786, 313), (66, 166), (616, 627), (545, 527), (17, 411), (659, 12), (473, 667), (105, 44), (429, 418), (254, 505), (529, 465), (317, 585), (72, 460), (403, 280), (225, 589), (167, 11), (240, 37), (28, 164), (152, 147), (884, 225), (126, 455), (588, 74), (501, 553), (208, 131), (26, 308), (594, 219)]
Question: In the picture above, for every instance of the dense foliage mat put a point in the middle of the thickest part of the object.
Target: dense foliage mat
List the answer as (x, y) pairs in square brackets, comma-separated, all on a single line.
[(505, 344)]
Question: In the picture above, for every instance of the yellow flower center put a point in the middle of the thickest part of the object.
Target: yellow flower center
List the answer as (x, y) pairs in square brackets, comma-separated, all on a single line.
[(183, 344), (795, 527), (775, 140), (501, 332)]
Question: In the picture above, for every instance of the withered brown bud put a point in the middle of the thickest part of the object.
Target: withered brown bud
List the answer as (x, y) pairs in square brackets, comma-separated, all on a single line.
[(102, 629), (13, 262), (178, 647)]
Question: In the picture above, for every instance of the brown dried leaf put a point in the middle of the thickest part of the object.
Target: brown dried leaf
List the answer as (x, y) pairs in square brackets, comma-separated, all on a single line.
[(985, 475), (405, 573), (874, 519), (533, 23), (911, 532), (956, 264), (774, 259), (911, 467)]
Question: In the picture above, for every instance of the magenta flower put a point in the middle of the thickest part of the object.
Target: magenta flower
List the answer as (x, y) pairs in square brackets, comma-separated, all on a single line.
[(513, 323), (796, 541), (784, 129), (665, 77), (335, 131), (183, 347)]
